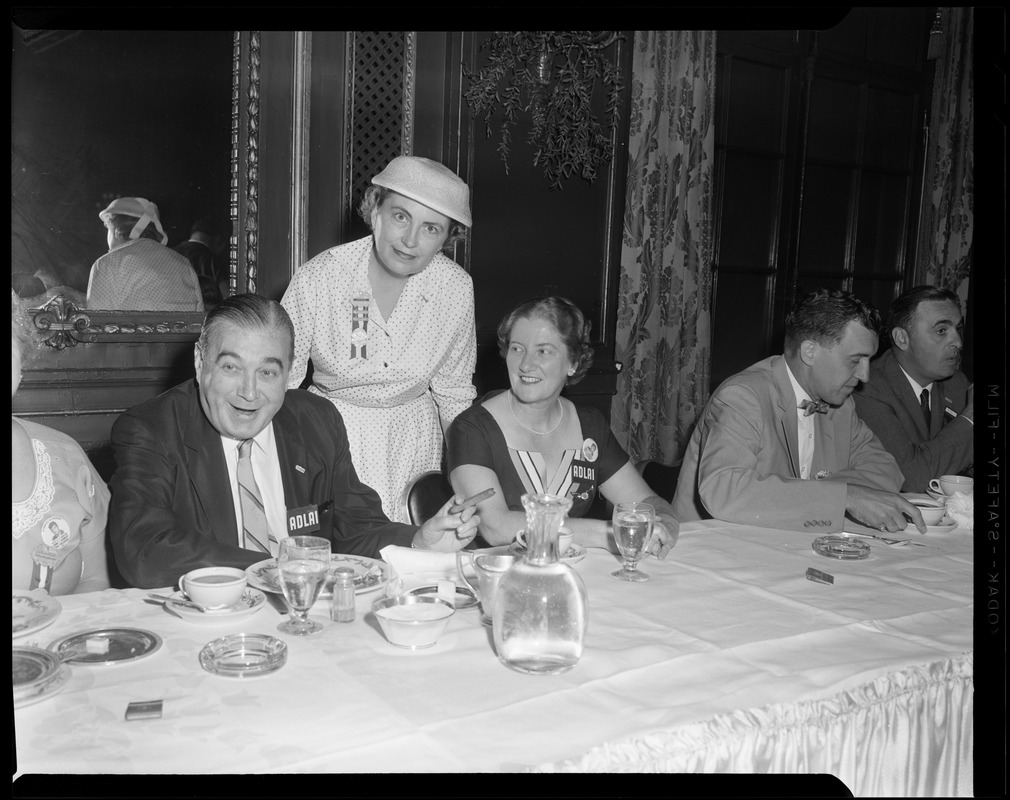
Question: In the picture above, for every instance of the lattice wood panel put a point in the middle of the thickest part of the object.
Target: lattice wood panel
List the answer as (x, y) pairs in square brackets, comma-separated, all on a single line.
[(377, 105)]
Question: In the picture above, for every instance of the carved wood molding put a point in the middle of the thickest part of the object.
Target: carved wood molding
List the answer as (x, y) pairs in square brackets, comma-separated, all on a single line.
[(252, 163), (409, 70), (62, 324)]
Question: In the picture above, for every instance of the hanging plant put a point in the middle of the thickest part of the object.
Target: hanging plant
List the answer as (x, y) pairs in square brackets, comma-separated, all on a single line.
[(552, 75)]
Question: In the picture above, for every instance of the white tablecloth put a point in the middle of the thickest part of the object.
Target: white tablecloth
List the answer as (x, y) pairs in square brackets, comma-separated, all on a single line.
[(727, 660)]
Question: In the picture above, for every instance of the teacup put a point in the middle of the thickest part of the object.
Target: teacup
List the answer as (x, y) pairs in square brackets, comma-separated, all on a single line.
[(932, 510), (948, 484), (214, 587), (565, 540)]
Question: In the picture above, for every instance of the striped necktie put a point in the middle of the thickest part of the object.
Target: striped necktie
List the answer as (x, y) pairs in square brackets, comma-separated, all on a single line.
[(255, 531), (924, 405)]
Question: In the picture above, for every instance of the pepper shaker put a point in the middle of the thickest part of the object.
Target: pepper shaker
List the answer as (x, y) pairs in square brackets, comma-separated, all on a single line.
[(342, 609)]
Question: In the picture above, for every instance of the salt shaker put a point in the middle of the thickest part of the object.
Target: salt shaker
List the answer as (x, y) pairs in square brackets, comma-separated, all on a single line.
[(342, 609)]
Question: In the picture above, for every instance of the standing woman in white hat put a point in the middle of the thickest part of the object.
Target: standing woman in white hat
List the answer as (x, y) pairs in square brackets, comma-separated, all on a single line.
[(388, 322), (139, 273)]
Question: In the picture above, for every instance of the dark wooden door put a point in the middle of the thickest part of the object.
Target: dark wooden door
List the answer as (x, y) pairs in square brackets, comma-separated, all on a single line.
[(819, 163)]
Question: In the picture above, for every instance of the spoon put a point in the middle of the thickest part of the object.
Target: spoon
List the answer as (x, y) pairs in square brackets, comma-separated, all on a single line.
[(179, 601)]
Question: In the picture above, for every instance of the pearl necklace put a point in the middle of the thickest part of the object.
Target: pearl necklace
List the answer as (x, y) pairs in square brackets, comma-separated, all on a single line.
[(538, 433)]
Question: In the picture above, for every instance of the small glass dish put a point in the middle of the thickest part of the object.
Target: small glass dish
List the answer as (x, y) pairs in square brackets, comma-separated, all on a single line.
[(244, 655), (843, 547), (411, 621), (106, 646)]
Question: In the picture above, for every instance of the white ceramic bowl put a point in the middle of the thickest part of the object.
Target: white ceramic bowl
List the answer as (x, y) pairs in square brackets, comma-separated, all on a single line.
[(413, 621)]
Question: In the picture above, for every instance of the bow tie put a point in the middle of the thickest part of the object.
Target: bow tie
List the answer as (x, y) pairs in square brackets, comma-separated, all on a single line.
[(813, 406)]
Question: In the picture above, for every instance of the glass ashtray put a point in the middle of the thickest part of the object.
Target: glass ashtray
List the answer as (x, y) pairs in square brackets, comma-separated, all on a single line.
[(244, 655), (843, 547)]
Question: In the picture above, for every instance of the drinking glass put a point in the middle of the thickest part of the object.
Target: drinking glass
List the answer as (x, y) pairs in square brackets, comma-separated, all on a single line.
[(633, 524), (302, 565)]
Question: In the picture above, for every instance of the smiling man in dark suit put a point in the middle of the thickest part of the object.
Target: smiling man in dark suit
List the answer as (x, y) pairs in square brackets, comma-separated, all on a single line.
[(178, 489), (918, 402)]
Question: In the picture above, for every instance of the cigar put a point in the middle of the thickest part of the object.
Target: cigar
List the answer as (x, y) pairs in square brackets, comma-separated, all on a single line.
[(471, 501)]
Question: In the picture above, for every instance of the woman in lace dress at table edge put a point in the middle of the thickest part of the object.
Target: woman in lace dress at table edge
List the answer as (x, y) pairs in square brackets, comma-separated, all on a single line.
[(388, 322), (59, 503), (530, 439)]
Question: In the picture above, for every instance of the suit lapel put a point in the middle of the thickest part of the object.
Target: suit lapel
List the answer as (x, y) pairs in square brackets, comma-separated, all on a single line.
[(786, 401), (294, 459), (907, 397), (209, 474)]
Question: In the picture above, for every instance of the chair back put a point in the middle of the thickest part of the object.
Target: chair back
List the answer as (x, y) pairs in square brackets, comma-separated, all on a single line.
[(424, 495)]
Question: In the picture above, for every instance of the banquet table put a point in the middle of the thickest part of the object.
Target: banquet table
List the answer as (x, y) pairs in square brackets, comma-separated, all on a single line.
[(728, 660)]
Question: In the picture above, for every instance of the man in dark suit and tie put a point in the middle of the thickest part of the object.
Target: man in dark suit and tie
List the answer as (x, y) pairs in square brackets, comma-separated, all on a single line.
[(218, 469), (918, 402), (779, 445)]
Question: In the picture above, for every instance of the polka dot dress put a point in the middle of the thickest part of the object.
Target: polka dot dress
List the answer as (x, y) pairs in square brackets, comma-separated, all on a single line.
[(144, 275), (391, 380)]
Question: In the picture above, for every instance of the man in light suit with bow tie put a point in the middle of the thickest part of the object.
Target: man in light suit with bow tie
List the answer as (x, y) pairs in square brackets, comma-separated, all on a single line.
[(779, 445), (917, 401), (217, 470)]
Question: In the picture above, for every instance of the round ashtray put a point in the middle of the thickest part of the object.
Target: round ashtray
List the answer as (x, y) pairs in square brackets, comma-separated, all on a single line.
[(843, 547), (244, 655)]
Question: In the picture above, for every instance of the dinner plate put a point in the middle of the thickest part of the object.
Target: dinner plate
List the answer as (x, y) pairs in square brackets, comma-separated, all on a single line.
[(36, 675), (370, 574), (574, 555), (32, 611), (125, 644), (252, 600)]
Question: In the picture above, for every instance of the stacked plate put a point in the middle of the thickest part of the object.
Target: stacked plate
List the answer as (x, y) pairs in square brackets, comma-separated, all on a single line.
[(37, 674)]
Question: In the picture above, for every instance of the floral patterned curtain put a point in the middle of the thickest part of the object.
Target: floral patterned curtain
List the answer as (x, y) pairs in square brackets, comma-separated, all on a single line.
[(664, 308), (947, 222)]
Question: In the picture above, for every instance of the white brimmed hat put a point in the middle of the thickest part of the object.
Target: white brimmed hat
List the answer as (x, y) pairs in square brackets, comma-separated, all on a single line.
[(135, 207), (428, 182)]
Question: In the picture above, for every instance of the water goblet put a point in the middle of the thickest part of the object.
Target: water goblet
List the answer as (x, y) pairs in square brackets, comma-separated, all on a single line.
[(633, 523), (302, 565)]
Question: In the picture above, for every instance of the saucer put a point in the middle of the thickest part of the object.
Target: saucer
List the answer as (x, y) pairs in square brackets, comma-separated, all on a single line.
[(946, 525), (252, 600)]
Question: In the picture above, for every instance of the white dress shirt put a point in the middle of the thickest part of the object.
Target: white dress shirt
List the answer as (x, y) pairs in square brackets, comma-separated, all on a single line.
[(804, 427), (266, 469)]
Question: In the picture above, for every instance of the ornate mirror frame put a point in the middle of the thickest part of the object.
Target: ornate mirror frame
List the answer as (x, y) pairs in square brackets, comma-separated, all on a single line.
[(63, 324)]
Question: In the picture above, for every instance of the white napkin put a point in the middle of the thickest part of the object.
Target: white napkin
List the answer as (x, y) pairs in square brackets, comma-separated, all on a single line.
[(407, 561), (961, 509)]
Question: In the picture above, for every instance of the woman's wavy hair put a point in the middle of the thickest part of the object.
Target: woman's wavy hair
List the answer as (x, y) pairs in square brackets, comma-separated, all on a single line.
[(568, 321), (375, 196)]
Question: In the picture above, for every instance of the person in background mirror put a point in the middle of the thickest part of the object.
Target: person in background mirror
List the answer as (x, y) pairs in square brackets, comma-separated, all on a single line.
[(203, 249), (779, 445), (529, 438), (388, 323), (218, 470), (58, 501), (917, 401), (139, 273)]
